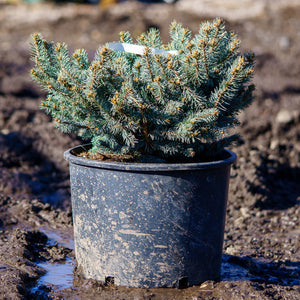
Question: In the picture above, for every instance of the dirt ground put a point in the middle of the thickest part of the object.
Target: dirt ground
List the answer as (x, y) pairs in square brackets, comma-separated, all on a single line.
[(261, 249)]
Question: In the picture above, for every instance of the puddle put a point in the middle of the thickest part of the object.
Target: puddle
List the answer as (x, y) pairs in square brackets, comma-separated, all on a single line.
[(235, 268), (55, 238), (234, 272), (59, 275)]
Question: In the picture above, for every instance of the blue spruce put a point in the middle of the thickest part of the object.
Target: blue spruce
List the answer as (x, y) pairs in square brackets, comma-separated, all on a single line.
[(178, 105)]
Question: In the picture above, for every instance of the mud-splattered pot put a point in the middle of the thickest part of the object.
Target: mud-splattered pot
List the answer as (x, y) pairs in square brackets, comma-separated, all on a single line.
[(149, 225)]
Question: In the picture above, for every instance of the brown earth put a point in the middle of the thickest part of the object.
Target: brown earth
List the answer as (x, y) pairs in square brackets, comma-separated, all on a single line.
[(261, 249)]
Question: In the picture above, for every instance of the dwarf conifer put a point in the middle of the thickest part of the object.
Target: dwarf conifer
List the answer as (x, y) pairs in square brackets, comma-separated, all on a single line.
[(181, 103)]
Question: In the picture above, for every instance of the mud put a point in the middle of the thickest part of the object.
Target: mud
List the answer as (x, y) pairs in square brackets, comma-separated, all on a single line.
[(261, 249)]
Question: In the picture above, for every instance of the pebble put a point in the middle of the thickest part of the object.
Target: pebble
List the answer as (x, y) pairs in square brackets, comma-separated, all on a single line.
[(231, 250), (5, 131), (239, 221), (284, 43), (274, 144), (245, 212), (284, 116)]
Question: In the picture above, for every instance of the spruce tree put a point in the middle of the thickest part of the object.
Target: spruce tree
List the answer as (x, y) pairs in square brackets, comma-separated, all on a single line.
[(175, 102)]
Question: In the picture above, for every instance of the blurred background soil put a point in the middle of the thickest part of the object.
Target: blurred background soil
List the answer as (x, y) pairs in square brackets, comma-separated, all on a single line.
[(261, 249)]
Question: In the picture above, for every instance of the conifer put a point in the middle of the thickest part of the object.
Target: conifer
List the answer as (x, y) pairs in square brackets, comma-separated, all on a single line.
[(177, 101)]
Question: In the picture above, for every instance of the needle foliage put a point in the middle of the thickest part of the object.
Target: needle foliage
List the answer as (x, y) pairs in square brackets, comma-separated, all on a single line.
[(165, 106)]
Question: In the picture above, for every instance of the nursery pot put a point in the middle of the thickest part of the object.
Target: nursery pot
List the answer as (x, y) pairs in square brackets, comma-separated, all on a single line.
[(149, 225)]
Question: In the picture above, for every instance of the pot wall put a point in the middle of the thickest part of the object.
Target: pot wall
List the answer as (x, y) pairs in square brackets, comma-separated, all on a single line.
[(148, 228)]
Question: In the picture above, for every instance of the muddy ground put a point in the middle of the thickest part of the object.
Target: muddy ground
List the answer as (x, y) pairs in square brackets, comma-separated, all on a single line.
[(261, 248)]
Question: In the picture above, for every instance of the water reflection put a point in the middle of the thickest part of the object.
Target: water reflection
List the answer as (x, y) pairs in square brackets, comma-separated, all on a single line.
[(59, 275)]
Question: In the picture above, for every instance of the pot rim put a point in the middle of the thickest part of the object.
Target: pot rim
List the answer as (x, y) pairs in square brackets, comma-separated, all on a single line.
[(146, 167)]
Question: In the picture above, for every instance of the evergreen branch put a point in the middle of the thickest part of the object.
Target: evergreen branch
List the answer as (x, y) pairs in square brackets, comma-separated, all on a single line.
[(145, 130), (37, 55), (231, 53), (204, 115), (162, 68), (147, 53), (121, 102), (217, 25), (226, 88), (203, 45), (77, 83), (125, 37)]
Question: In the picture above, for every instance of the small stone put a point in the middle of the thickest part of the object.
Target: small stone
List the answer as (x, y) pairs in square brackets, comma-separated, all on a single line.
[(245, 212), (231, 250), (284, 117), (284, 42), (239, 221), (274, 144), (5, 131)]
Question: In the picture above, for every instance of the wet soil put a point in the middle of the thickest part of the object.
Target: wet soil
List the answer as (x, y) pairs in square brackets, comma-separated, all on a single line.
[(261, 249)]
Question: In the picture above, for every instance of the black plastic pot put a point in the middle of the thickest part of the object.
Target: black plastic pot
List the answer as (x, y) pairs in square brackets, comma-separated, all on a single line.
[(149, 225)]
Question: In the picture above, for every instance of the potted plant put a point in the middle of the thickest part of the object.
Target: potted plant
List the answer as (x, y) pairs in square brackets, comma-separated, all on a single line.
[(149, 193)]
